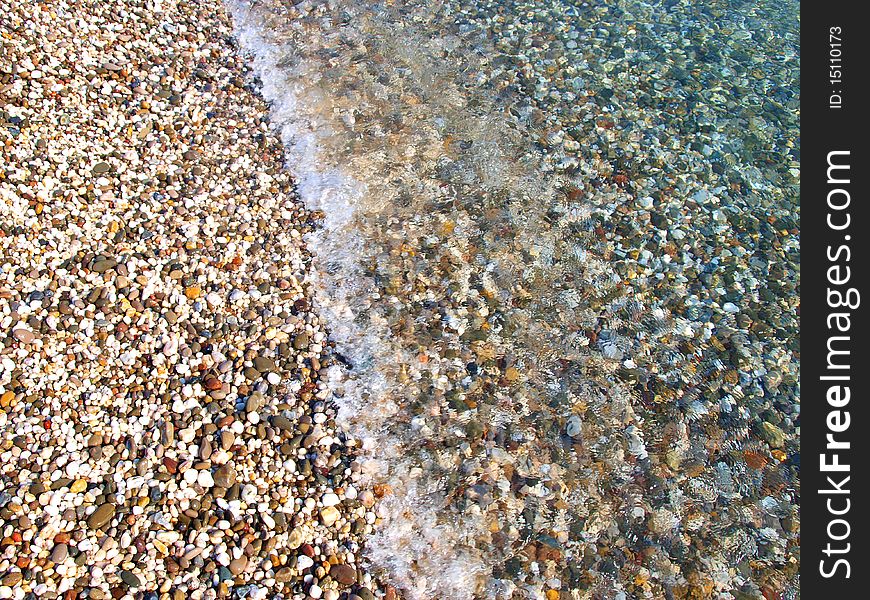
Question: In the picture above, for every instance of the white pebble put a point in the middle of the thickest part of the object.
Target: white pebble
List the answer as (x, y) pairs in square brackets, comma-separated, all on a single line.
[(330, 499), (205, 479)]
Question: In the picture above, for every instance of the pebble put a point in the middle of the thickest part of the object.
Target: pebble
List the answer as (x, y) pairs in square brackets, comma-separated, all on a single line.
[(59, 553), (329, 499), (130, 579), (237, 566), (101, 516), (344, 574), (225, 476), (329, 515), (25, 336), (205, 479), (574, 425)]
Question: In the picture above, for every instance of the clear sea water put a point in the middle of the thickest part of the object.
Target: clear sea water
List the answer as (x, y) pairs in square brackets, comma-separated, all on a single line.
[(559, 259)]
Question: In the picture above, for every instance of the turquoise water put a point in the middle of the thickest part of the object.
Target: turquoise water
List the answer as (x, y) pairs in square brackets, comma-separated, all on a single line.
[(559, 257)]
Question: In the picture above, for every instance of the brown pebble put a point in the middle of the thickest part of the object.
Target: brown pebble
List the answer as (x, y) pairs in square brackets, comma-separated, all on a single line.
[(102, 516), (225, 476), (344, 574), (24, 336), (59, 553), (238, 565)]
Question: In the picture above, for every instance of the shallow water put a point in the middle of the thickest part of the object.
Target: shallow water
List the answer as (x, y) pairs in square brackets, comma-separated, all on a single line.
[(559, 257)]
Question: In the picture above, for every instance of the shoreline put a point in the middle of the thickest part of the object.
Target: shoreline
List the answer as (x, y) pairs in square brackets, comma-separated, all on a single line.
[(555, 359), (561, 341), (165, 430)]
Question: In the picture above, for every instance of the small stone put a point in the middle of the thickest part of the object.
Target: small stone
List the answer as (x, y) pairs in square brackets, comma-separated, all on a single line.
[(161, 547), (344, 574), (573, 428), (171, 465), (367, 498), (212, 384), (265, 365), (772, 434), (282, 423), (295, 539), (205, 479), (167, 433), (130, 579), (224, 476), (254, 402), (329, 515), (100, 517), (24, 336), (101, 266), (329, 499), (238, 565), (59, 553), (205, 450), (300, 342)]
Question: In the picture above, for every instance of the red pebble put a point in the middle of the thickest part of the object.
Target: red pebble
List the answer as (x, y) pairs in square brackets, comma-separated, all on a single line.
[(212, 383)]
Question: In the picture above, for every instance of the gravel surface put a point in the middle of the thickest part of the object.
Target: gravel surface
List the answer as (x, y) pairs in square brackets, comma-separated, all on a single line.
[(165, 434)]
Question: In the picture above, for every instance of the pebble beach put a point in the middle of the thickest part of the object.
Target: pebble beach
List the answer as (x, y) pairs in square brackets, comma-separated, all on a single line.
[(484, 300), (165, 434)]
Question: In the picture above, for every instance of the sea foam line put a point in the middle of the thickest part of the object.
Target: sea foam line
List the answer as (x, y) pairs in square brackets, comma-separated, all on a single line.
[(410, 547)]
